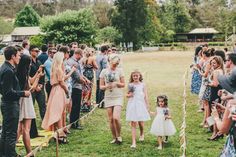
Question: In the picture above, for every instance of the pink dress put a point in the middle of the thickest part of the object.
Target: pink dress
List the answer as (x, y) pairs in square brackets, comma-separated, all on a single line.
[(56, 103)]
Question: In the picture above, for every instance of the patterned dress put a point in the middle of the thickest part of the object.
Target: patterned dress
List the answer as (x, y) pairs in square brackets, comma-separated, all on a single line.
[(196, 81)]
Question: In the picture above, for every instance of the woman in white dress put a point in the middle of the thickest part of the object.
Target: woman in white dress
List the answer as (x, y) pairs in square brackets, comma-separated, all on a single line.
[(138, 106), (112, 81), (27, 112), (162, 125)]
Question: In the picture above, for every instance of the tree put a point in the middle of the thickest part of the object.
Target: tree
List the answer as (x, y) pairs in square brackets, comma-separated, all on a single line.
[(101, 10), (175, 16), (108, 35), (152, 31), (136, 21), (5, 28), (70, 26), (27, 17)]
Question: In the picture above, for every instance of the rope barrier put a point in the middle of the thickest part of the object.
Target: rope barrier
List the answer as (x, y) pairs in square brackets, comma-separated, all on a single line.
[(183, 139), (58, 131)]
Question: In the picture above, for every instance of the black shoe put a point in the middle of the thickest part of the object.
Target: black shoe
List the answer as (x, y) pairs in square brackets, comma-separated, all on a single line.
[(63, 140), (77, 127)]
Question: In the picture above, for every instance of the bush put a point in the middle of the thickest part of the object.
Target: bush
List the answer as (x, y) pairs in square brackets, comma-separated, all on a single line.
[(37, 40), (216, 43), (108, 35), (69, 26)]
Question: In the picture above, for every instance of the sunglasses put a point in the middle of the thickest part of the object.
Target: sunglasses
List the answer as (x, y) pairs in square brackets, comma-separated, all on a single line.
[(35, 50)]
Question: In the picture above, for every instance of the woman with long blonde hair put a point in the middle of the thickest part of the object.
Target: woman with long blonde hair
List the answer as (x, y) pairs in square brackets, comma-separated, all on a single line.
[(53, 118), (217, 65)]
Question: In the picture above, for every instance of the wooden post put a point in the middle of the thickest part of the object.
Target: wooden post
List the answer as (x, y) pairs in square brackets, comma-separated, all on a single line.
[(233, 39), (57, 144)]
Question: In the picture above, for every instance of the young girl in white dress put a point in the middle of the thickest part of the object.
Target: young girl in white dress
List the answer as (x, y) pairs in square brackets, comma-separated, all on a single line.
[(138, 106), (162, 125)]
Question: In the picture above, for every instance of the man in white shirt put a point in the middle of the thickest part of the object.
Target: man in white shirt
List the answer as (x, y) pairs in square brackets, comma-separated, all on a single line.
[(26, 46)]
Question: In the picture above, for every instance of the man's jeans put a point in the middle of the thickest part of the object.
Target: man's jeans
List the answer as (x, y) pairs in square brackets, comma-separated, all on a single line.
[(10, 115)]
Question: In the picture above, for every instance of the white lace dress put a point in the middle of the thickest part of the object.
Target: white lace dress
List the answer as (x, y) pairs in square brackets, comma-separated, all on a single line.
[(136, 108), (160, 126)]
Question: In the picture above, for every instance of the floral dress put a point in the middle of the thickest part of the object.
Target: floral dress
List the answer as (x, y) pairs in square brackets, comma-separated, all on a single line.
[(196, 81)]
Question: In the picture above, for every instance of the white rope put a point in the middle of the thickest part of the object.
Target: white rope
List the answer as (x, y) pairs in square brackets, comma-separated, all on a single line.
[(183, 140), (34, 152)]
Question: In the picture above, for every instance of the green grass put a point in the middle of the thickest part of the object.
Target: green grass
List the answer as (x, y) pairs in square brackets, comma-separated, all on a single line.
[(163, 74)]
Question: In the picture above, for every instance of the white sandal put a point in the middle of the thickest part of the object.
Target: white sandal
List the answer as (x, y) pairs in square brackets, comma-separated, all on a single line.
[(141, 138), (133, 146)]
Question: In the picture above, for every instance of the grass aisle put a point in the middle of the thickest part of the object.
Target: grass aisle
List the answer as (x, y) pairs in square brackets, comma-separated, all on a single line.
[(163, 74)]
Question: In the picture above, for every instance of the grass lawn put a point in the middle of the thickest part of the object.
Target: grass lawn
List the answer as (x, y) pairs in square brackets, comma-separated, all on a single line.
[(163, 74)]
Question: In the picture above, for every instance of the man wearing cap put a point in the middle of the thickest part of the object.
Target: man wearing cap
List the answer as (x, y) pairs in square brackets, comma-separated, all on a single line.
[(38, 94), (11, 93), (229, 82)]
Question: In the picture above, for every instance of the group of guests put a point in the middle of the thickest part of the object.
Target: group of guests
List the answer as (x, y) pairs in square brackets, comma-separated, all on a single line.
[(60, 78), (214, 81), (67, 73)]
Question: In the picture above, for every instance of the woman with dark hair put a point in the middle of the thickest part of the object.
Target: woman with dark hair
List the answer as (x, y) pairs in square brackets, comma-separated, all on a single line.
[(204, 94), (89, 64), (196, 77), (27, 112), (221, 54)]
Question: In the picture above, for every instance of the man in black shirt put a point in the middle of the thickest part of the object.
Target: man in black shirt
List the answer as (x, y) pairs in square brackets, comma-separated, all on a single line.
[(10, 91), (38, 94)]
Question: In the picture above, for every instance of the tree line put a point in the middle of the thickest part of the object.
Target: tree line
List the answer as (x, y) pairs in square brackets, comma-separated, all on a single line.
[(142, 22)]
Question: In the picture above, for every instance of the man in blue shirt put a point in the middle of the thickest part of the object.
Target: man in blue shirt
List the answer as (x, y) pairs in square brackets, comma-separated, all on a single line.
[(47, 65), (43, 56), (101, 60)]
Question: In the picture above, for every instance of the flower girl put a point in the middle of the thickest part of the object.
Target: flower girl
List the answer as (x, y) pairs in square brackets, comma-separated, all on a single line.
[(138, 106), (162, 125)]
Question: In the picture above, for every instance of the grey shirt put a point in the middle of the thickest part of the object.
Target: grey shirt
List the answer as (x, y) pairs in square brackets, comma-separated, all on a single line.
[(76, 83), (101, 60)]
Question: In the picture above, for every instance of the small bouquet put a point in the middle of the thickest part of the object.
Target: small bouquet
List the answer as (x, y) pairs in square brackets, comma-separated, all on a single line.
[(131, 88), (166, 112), (110, 78)]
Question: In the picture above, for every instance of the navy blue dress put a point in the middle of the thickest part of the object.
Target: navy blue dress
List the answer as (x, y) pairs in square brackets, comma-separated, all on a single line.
[(196, 82)]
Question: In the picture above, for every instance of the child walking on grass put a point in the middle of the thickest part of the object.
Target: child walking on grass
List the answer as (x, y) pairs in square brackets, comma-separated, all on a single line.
[(162, 125), (138, 106)]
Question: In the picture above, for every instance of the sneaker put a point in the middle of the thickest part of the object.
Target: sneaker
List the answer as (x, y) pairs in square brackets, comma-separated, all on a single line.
[(133, 146), (113, 141)]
